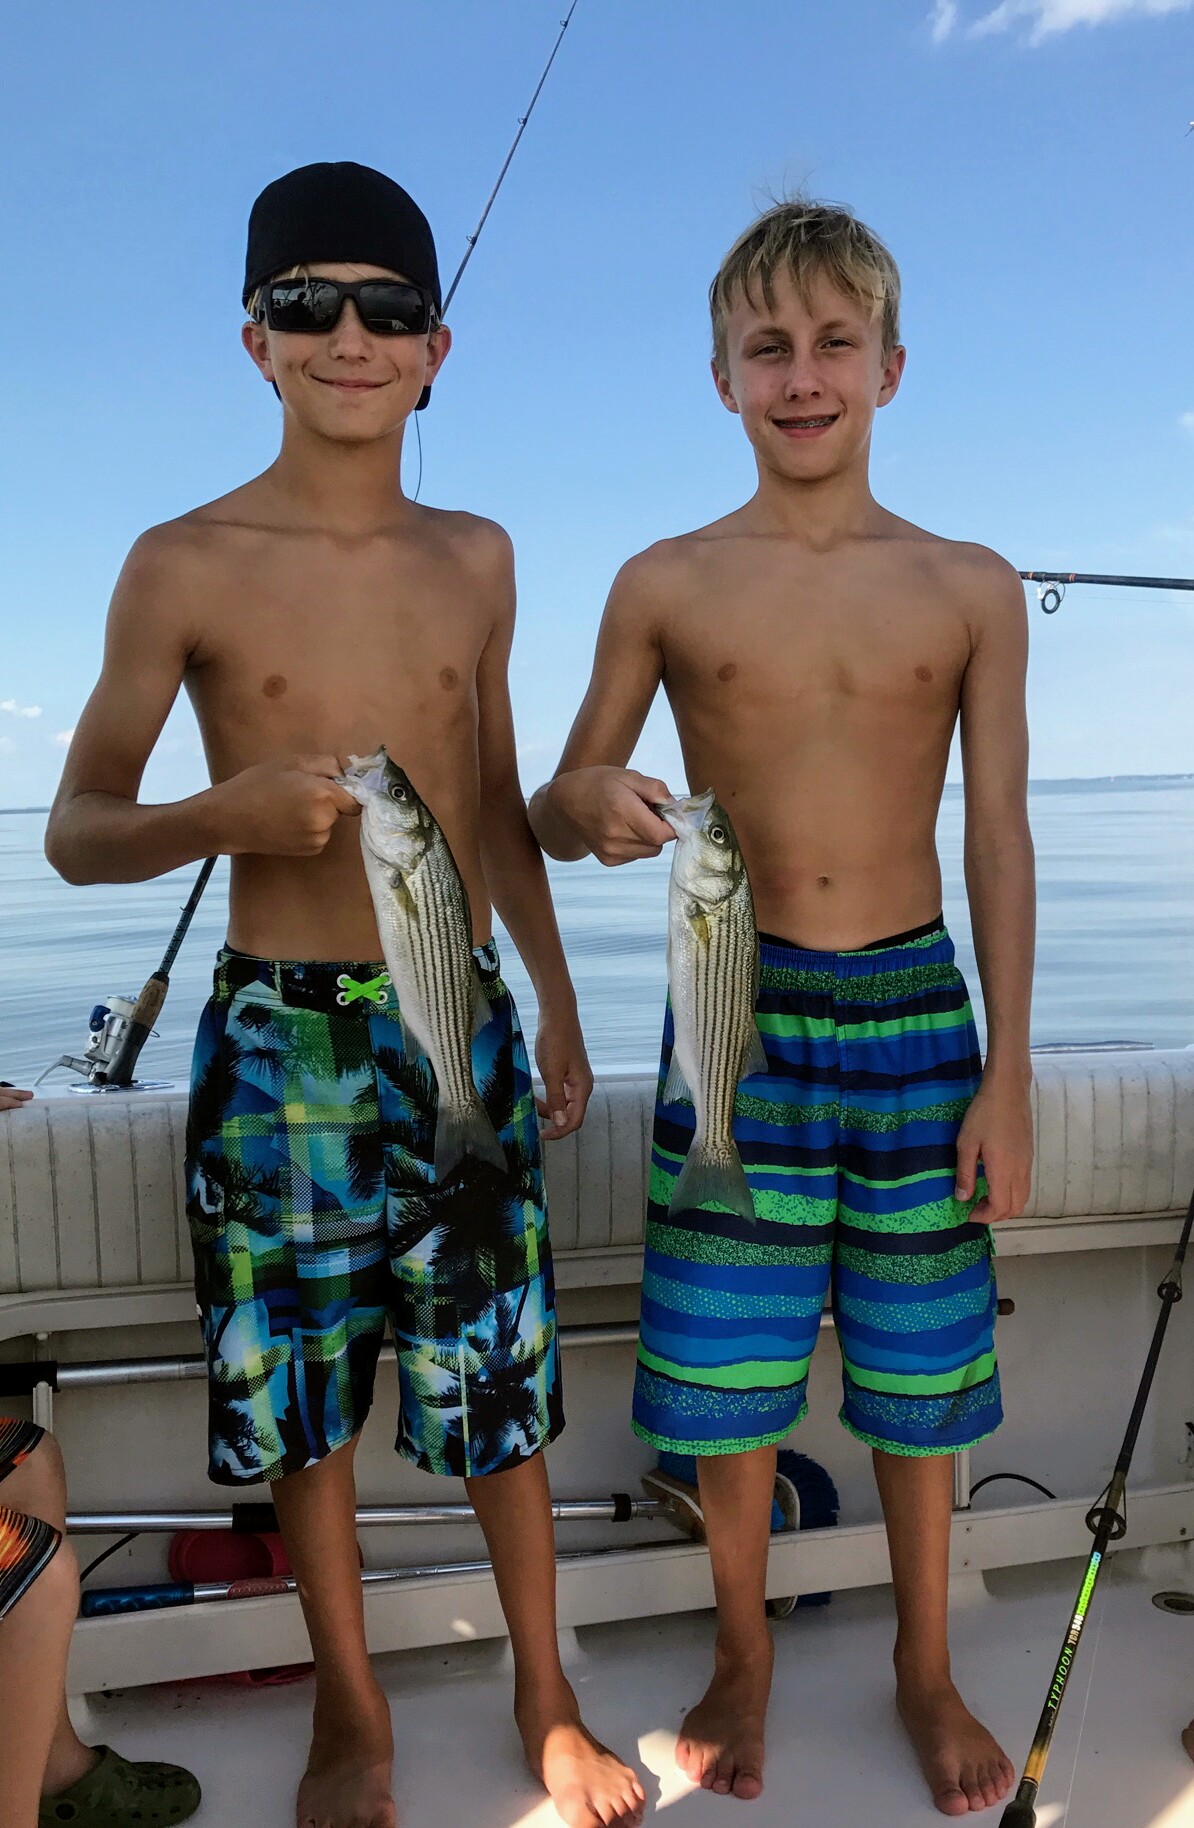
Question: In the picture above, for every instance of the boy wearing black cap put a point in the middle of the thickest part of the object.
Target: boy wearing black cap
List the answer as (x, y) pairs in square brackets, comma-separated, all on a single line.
[(314, 612)]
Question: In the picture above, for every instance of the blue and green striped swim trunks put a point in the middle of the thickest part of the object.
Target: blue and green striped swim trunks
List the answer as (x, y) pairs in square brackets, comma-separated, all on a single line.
[(849, 1144), (317, 1223)]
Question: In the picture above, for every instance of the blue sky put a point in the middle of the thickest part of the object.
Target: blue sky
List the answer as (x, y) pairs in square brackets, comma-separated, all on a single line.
[(1026, 161)]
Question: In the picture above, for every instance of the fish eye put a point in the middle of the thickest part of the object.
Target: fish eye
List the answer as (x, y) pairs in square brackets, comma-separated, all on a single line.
[(717, 833), (398, 792)]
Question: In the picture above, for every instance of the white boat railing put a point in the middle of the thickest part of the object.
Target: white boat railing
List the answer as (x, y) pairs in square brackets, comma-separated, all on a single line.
[(93, 1240)]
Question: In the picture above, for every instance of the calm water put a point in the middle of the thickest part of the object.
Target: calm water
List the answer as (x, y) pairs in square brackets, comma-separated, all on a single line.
[(1115, 958)]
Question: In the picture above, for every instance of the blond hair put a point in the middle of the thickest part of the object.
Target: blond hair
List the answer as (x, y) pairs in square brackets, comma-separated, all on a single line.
[(254, 305), (805, 239)]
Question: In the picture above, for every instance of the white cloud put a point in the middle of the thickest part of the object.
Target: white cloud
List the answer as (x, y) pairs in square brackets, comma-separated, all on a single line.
[(15, 710), (1187, 422), (64, 737), (7, 746), (943, 20), (1046, 18)]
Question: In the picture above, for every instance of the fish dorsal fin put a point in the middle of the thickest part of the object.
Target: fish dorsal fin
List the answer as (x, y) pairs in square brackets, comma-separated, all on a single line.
[(754, 1055), (676, 1088)]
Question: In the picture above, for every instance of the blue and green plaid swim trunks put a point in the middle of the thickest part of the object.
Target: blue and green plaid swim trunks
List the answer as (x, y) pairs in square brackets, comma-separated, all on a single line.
[(849, 1143), (315, 1220)]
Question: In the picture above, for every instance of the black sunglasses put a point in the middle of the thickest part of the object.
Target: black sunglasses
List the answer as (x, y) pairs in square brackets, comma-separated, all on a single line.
[(388, 307)]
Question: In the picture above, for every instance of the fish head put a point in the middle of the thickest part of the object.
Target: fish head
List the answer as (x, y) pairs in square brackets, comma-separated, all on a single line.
[(708, 864), (395, 822)]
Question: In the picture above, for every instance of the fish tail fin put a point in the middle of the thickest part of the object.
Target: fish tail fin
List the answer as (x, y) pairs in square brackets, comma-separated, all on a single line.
[(462, 1130), (712, 1180)]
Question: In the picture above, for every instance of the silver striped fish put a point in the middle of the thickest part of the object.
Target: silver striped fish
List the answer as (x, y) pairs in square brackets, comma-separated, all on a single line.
[(426, 931), (713, 975)]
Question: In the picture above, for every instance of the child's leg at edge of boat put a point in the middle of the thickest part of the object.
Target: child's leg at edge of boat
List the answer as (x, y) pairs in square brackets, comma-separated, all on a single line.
[(588, 1783)]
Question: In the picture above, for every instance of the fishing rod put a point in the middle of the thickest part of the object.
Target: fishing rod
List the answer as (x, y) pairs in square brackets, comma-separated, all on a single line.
[(1052, 584), (473, 239), (111, 1058), (103, 1602), (1107, 1522), (522, 124), (138, 1024)]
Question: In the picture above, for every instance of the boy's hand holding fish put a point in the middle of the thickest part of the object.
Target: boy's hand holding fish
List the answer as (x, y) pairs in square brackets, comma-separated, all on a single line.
[(608, 811), (284, 808)]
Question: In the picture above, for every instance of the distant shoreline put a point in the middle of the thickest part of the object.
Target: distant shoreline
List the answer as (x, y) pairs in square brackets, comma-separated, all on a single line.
[(1122, 783)]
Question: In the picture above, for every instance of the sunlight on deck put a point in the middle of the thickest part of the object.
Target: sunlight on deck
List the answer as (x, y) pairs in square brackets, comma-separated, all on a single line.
[(657, 1751)]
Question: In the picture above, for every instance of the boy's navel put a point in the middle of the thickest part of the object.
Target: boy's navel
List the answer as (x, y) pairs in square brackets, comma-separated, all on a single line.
[(274, 686)]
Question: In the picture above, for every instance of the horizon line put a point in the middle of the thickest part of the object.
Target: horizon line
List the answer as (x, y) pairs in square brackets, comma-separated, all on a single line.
[(1040, 780)]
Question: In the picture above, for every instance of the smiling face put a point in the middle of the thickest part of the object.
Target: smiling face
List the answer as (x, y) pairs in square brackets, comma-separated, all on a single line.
[(806, 373), (347, 384)]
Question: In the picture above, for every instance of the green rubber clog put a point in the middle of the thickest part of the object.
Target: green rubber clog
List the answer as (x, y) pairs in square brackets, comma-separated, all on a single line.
[(117, 1794)]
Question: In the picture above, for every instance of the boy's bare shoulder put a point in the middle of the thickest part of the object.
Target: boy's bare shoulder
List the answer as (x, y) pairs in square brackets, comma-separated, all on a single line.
[(479, 543), (184, 543), (983, 585), (968, 563), (969, 578), (165, 564), (660, 576)]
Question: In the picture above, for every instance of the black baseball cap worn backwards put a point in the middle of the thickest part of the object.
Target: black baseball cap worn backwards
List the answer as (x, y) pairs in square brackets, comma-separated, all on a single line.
[(339, 211)]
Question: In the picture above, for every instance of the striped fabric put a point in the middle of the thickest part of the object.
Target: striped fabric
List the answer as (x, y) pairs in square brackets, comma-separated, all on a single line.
[(849, 1145), (26, 1543)]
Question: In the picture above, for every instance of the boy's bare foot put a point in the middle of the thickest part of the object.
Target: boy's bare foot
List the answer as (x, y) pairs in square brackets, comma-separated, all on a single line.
[(347, 1783), (721, 1741), (589, 1785), (963, 1765)]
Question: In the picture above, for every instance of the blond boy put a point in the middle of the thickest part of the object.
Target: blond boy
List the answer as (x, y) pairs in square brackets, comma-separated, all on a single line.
[(817, 652)]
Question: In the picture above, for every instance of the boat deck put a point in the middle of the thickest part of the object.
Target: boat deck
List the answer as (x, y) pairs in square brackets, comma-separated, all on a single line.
[(837, 1756)]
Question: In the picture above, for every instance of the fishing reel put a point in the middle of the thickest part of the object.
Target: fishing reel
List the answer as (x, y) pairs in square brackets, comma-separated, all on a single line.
[(118, 1029), (115, 1038)]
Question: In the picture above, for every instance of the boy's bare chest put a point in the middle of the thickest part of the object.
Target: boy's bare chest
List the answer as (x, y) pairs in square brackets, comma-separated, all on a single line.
[(335, 660), (803, 648)]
